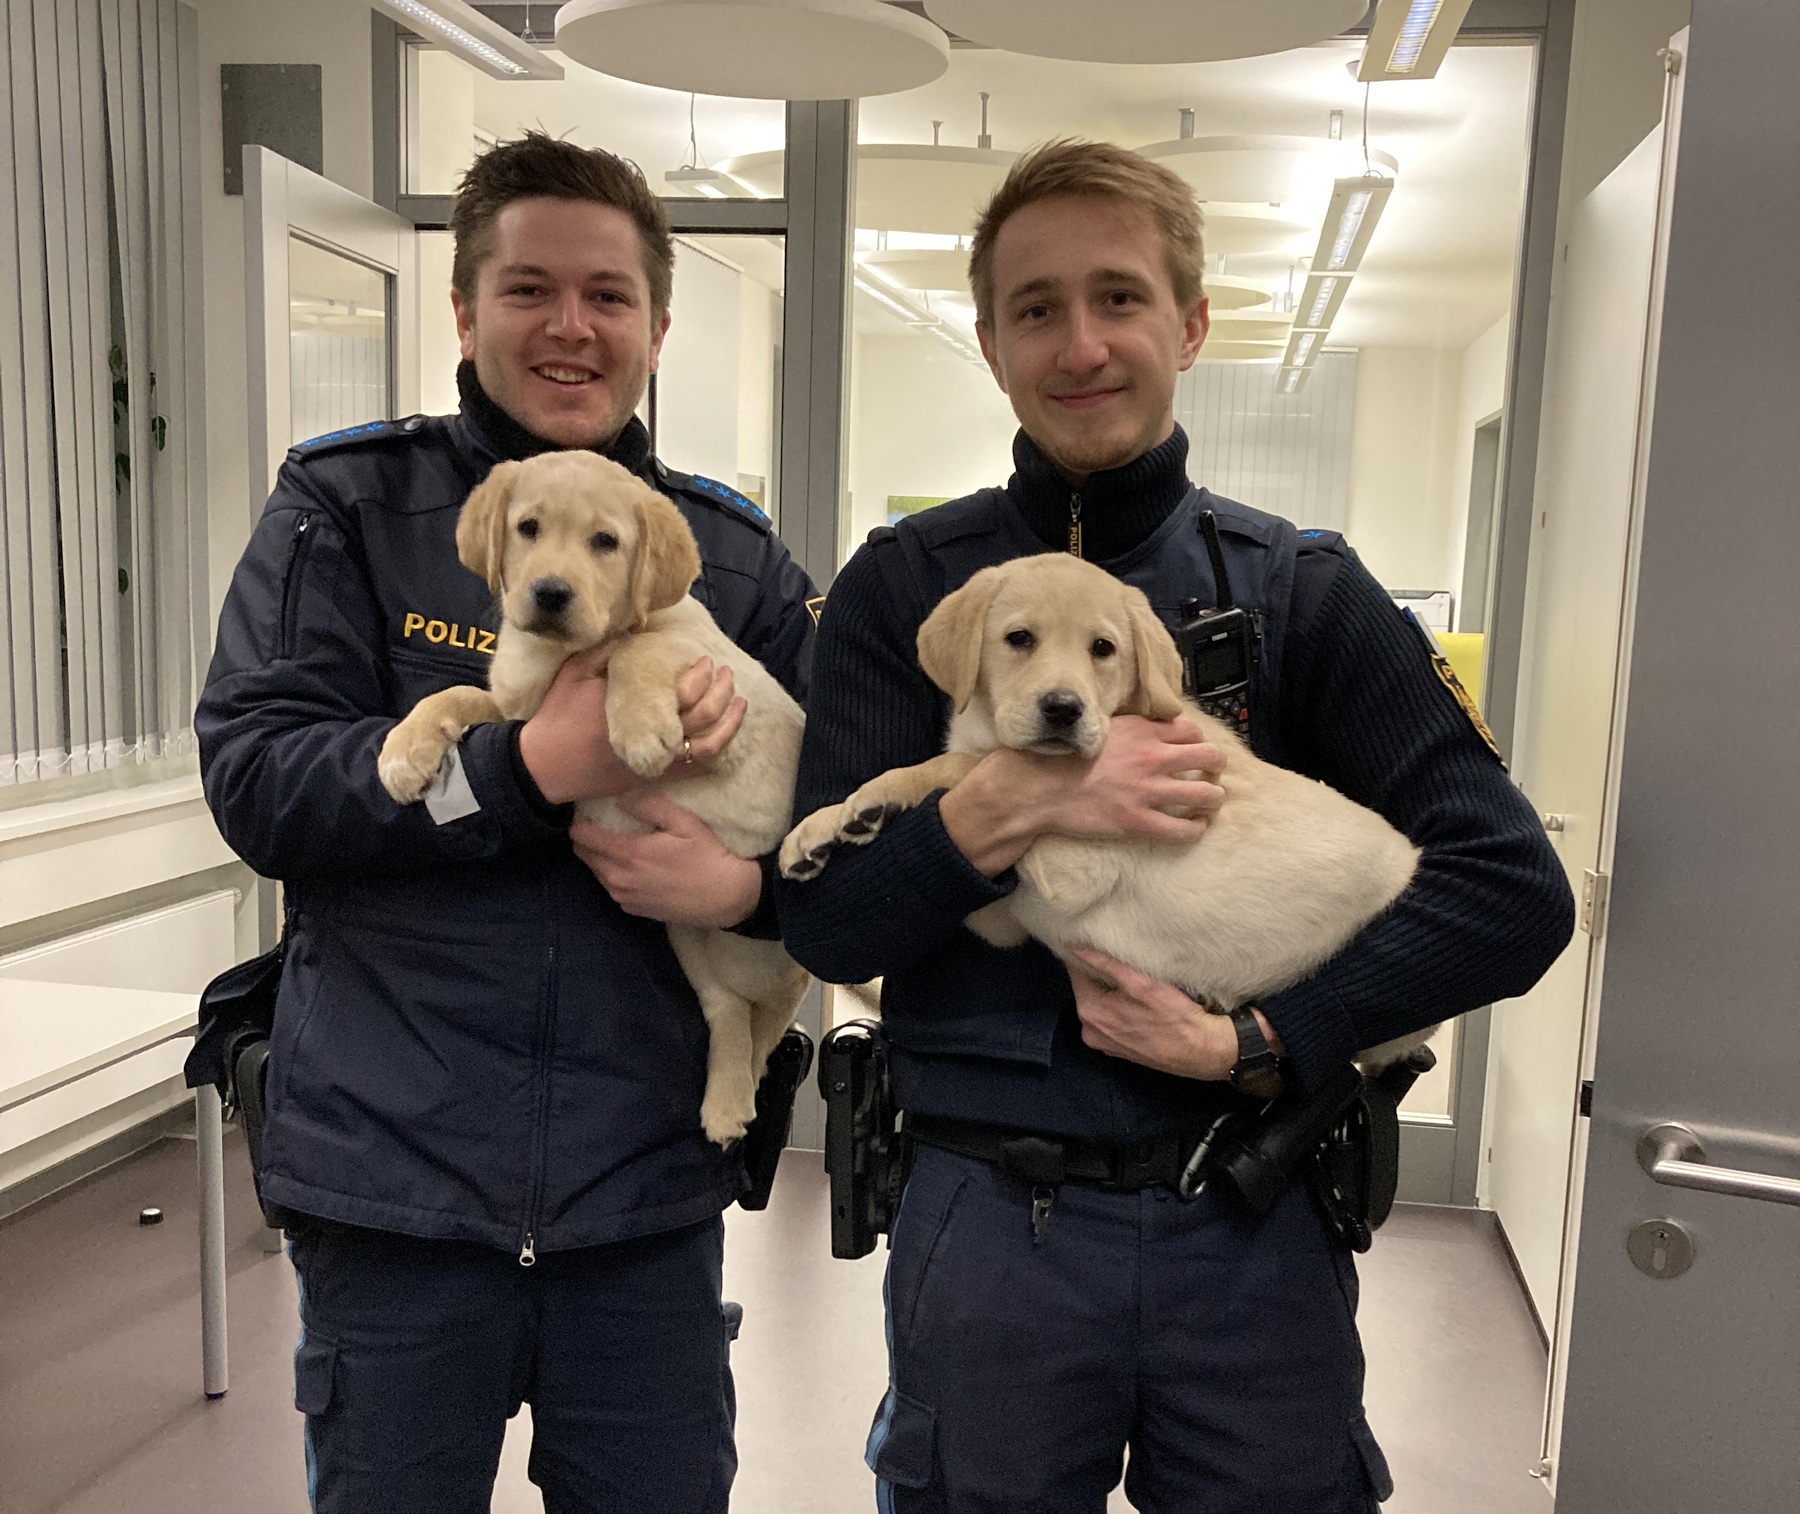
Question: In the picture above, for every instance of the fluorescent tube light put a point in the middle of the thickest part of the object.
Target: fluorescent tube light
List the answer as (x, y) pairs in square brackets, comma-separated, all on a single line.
[(1356, 205), (1289, 380), (473, 37), (709, 182), (1320, 298), (1410, 38)]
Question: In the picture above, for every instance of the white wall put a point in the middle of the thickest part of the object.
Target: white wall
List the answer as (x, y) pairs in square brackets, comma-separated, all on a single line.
[(923, 421), (1401, 491), (697, 382), (1481, 392)]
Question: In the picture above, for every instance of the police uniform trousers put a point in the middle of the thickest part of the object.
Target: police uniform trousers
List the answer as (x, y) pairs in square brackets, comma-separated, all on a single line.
[(1220, 1349), (414, 1353)]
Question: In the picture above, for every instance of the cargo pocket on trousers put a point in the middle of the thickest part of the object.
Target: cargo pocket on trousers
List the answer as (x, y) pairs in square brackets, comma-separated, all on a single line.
[(315, 1369), (904, 1450), (1374, 1464)]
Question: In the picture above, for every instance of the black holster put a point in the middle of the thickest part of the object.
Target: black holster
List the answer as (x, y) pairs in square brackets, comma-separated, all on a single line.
[(867, 1156), (764, 1141), (1343, 1137), (1355, 1169)]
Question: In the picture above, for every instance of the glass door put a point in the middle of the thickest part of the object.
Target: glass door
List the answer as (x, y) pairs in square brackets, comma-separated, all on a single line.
[(333, 311)]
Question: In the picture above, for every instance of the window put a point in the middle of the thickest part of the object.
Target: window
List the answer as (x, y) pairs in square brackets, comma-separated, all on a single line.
[(101, 445)]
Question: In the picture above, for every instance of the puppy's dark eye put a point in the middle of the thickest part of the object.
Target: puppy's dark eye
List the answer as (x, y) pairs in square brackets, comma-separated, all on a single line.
[(1102, 647), (1022, 639), (528, 529), (604, 541)]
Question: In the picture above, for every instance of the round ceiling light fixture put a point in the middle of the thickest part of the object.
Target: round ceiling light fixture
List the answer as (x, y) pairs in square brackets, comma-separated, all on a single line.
[(1224, 293), (756, 49), (901, 186), (1146, 31)]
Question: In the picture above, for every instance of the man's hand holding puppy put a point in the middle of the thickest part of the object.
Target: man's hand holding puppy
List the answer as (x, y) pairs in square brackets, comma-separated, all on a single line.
[(678, 872), (1148, 780)]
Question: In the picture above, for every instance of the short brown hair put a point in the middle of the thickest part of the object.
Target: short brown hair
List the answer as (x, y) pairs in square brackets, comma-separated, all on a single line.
[(538, 166), (1101, 171)]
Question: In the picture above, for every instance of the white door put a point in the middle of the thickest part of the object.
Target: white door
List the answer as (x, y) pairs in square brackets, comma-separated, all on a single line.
[(332, 311), (1683, 1386)]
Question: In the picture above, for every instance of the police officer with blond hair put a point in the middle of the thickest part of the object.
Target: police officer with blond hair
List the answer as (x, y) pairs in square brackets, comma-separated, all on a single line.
[(1040, 1327)]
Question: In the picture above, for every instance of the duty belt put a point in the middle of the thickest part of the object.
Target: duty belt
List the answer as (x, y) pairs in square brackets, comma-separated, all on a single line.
[(1040, 1160)]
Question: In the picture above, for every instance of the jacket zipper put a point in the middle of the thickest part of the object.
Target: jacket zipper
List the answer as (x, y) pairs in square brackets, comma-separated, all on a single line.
[(1075, 525), (541, 1120), (290, 586)]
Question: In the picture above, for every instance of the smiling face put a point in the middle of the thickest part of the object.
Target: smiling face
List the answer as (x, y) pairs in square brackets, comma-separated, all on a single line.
[(1053, 647), (1086, 337), (561, 329)]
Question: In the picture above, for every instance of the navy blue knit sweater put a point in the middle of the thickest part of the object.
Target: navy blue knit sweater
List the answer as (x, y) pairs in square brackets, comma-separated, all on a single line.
[(1360, 708)]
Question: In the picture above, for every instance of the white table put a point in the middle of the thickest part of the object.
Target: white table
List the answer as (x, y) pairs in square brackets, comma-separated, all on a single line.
[(54, 1034)]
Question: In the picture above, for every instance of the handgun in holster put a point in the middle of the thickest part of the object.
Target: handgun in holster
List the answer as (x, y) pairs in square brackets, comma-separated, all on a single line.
[(1343, 1136), (866, 1155), (764, 1141)]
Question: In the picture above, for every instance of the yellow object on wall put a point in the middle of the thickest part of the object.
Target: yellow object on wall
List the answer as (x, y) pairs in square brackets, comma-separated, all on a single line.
[(1462, 650)]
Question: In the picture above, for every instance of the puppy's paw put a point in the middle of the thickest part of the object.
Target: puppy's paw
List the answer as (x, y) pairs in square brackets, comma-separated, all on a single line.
[(809, 845), (647, 747), (728, 1109), (411, 758)]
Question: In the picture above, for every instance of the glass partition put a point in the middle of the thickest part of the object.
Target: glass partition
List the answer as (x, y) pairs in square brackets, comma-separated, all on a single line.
[(339, 365)]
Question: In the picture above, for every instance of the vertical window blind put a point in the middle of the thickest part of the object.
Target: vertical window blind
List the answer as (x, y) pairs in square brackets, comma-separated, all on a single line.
[(102, 445)]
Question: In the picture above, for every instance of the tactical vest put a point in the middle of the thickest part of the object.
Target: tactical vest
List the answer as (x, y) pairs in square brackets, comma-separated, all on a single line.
[(944, 548), (973, 1029)]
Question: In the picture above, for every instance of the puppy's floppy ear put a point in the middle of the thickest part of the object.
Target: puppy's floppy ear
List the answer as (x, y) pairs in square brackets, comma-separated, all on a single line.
[(950, 639), (667, 559), (1158, 692), (481, 528)]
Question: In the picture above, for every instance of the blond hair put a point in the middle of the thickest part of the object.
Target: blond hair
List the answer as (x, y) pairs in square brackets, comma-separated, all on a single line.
[(1101, 171)]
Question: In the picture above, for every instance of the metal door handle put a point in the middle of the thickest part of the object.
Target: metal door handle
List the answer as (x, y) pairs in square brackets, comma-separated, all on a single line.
[(1672, 1154)]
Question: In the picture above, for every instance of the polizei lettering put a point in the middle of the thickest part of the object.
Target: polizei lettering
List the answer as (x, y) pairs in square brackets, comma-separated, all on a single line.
[(447, 633)]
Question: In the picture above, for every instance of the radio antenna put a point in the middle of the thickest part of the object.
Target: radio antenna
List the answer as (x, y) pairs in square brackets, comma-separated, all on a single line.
[(1209, 528)]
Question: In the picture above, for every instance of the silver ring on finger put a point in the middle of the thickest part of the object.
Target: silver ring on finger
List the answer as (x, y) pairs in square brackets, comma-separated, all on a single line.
[(687, 750)]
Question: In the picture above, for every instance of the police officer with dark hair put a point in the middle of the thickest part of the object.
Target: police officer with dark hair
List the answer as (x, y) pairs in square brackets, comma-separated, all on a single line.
[(484, 1091), (1052, 1301)]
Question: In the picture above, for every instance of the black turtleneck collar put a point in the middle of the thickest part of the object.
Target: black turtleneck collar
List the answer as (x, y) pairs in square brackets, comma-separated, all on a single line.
[(1120, 507), (508, 439)]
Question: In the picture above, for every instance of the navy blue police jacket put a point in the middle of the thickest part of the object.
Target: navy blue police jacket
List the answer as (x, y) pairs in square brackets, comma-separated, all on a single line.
[(1344, 690), (471, 1039)]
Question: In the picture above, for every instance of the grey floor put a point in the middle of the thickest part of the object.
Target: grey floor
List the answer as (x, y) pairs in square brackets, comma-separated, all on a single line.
[(101, 1410)]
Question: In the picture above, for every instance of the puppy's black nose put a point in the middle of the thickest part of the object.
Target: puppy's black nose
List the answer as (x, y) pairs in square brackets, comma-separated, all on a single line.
[(551, 595), (1059, 709)]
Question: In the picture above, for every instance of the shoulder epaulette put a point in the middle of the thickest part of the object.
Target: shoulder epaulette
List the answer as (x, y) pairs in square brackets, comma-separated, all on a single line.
[(357, 436), (716, 493)]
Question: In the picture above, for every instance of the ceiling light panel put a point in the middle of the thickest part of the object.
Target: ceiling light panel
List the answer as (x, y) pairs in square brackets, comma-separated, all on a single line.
[(1410, 38), (1320, 298), (1146, 31), (756, 49), (1350, 220), (464, 31)]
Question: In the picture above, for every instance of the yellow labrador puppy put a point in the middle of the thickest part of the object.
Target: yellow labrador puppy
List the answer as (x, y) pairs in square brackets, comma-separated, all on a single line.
[(581, 552), (1037, 655)]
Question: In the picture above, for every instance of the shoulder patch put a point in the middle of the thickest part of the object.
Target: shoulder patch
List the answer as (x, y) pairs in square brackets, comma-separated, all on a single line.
[(718, 493), (815, 607), (356, 436), (1440, 664)]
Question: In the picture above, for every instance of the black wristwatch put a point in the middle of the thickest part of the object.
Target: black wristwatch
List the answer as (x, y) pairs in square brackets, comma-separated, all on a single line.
[(1258, 1069)]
